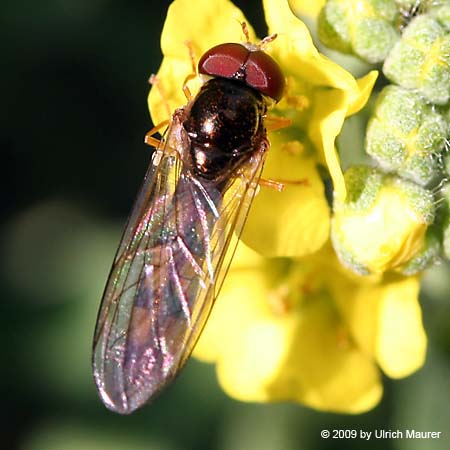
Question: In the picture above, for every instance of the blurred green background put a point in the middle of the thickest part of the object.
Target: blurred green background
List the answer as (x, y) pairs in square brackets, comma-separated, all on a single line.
[(74, 87)]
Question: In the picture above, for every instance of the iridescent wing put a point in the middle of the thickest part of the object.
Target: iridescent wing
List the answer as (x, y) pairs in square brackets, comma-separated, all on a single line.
[(167, 273)]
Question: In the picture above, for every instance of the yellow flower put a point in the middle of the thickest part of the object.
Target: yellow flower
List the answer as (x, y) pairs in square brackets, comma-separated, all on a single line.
[(382, 224), (305, 8), (319, 96), (291, 323), (308, 330)]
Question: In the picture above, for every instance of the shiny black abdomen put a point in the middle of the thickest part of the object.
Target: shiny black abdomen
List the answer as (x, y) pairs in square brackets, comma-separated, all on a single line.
[(225, 126)]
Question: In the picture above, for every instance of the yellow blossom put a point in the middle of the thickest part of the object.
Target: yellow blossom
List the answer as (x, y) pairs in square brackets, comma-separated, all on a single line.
[(305, 8), (383, 223), (319, 95), (310, 331), (291, 323)]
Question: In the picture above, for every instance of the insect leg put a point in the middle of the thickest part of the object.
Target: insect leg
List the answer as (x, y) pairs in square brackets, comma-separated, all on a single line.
[(263, 43), (272, 184), (245, 32), (274, 123), (279, 185), (267, 40), (193, 74), (154, 81), (149, 139)]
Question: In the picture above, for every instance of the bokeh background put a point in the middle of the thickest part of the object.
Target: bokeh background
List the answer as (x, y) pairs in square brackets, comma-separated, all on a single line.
[(73, 115)]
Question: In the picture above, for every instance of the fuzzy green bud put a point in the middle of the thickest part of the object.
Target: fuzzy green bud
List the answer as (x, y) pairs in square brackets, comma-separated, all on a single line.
[(445, 214), (446, 153), (425, 257), (414, 6), (382, 223), (420, 60), (363, 27), (406, 5), (446, 163), (446, 241), (442, 14), (405, 134)]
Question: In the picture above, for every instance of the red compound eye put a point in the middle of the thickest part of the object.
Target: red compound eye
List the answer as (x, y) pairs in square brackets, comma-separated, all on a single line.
[(224, 60), (265, 75), (256, 68)]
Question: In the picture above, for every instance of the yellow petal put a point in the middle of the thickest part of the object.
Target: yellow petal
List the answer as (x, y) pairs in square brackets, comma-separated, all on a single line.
[(306, 7), (296, 221), (209, 23), (327, 107), (168, 95), (401, 343), (382, 314), (247, 373), (328, 116), (281, 20), (360, 97), (237, 304), (385, 320), (303, 354), (306, 358), (295, 52), (328, 370), (359, 305), (329, 112), (385, 236)]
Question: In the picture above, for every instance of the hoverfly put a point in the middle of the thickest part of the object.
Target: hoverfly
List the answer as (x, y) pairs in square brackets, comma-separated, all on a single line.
[(175, 249)]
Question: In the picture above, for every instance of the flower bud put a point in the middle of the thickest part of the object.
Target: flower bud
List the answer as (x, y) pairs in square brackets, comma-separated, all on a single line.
[(405, 134), (364, 27), (382, 223), (406, 5), (446, 241), (442, 14), (425, 257), (420, 60), (445, 211)]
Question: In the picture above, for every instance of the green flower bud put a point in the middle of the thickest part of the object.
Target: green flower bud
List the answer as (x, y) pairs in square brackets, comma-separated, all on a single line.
[(445, 210), (442, 15), (334, 28), (407, 5), (382, 223), (420, 60), (405, 134), (414, 6), (364, 27), (446, 161), (446, 241), (446, 152), (425, 257)]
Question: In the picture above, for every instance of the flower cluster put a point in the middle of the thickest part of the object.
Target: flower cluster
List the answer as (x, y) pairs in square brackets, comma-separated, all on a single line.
[(292, 321), (407, 135), (365, 28)]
